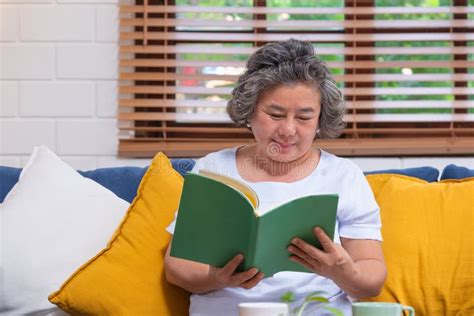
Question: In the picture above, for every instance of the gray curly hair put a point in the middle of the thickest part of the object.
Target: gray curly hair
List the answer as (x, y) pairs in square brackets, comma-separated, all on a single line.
[(287, 63)]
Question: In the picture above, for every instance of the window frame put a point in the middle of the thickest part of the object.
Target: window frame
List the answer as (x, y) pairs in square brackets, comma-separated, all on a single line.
[(148, 120)]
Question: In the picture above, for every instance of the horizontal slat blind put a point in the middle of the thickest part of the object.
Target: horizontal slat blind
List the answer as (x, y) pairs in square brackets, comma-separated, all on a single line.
[(407, 73)]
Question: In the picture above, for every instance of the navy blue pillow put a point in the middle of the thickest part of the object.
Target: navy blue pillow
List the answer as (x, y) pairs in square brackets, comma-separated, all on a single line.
[(8, 177), (123, 181), (456, 172), (183, 165), (428, 174)]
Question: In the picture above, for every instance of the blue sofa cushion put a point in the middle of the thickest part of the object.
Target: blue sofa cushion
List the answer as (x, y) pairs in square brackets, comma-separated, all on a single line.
[(183, 165), (456, 172), (8, 177), (123, 181), (428, 174)]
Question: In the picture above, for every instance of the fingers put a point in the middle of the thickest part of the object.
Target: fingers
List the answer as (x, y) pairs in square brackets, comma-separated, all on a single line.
[(303, 258), (324, 239), (299, 253), (308, 249), (327, 262), (302, 262), (253, 281), (223, 276), (242, 277), (232, 265), (227, 276)]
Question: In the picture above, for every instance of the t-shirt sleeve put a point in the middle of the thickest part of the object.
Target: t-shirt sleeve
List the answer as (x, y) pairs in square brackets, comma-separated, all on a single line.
[(359, 214), (171, 227)]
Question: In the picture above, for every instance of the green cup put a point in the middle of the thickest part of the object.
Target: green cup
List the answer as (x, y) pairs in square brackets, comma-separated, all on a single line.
[(380, 309)]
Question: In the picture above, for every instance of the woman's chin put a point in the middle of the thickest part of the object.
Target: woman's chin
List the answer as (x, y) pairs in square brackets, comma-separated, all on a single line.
[(289, 154), (282, 153), (285, 156)]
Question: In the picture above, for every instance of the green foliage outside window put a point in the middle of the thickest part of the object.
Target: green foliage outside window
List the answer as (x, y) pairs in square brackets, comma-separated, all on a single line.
[(329, 58)]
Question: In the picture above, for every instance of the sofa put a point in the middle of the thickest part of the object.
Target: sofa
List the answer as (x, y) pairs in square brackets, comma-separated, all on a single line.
[(427, 219)]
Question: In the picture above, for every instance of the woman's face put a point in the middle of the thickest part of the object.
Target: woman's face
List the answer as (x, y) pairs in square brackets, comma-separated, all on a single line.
[(285, 121)]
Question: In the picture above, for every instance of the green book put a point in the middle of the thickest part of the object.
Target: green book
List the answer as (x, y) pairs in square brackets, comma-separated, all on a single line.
[(217, 219)]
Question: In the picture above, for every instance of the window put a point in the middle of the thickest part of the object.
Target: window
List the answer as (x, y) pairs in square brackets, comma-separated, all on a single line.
[(405, 67)]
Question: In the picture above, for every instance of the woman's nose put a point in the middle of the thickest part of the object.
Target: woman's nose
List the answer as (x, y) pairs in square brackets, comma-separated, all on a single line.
[(287, 127)]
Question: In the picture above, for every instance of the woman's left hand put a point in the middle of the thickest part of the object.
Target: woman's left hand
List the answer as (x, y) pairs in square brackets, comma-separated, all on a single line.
[(332, 262)]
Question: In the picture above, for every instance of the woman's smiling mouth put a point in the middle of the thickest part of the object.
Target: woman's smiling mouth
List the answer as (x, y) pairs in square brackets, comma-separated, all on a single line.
[(284, 145)]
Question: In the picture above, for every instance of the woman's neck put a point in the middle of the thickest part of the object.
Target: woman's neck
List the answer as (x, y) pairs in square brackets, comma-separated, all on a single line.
[(263, 167)]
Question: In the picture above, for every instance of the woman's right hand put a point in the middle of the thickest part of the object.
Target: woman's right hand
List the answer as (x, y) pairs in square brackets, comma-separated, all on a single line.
[(228, 277)]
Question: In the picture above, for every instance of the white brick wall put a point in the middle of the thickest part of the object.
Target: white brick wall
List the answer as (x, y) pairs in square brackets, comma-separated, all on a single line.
[(58, 81), (58, 72), (87, 137), (19, 135), (8, 24), (87, 61), (9, 99), (106, 96), (25, 1), (26, 61), (57, 99), (46, 24), (107, 24)]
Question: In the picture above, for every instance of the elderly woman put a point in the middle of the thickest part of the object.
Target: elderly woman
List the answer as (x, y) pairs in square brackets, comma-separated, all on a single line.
[(287, 98)]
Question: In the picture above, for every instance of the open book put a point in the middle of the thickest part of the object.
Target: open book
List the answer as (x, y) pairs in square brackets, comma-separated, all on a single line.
[(217, 219)]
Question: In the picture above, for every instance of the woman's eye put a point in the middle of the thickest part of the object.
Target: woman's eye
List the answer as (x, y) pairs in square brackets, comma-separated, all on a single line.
[(276, 116)]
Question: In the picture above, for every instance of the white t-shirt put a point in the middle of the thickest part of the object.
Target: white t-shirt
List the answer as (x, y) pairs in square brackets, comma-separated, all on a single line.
[(357, 218)]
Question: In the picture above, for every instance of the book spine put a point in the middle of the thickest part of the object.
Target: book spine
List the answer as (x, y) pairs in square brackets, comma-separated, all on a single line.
[(252, 245)]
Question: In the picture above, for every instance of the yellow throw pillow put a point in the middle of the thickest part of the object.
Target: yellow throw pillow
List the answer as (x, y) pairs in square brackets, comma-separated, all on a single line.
[(127, 277), (428, 243)]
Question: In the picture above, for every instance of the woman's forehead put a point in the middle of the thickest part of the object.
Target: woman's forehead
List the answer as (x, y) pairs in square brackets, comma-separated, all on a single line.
[(283, 108)]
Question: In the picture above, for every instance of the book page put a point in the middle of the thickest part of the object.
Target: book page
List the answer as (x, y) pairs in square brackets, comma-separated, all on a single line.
[(247, 191)]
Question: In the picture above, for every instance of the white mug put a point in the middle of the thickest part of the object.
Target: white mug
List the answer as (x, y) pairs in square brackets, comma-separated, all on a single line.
[(264, 309)]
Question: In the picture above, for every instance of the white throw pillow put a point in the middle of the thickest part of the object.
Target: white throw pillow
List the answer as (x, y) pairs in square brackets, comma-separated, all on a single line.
[(52, 221)]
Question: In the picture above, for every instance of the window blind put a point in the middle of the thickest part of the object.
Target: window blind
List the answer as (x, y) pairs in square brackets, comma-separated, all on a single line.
[(406, 72)]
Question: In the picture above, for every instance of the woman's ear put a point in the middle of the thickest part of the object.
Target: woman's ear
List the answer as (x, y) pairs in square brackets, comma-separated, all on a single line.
[(316, 135)]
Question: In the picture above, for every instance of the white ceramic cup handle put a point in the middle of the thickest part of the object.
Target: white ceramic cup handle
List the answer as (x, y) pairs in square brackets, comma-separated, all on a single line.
[(411, 311)]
